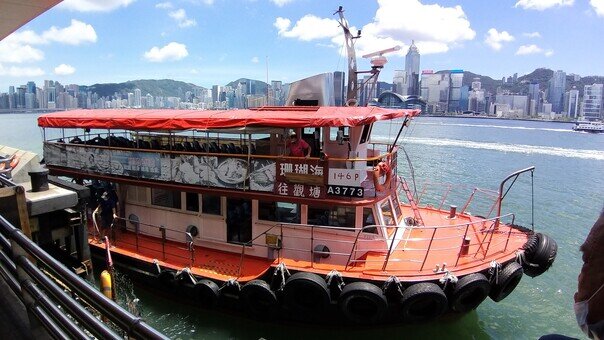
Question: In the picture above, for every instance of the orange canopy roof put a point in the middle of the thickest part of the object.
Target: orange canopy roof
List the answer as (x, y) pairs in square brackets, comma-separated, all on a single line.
[(286, 117)]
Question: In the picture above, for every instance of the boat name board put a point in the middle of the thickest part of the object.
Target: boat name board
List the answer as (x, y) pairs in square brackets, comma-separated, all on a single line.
[(340, 190), (302, 177), (346, 177)]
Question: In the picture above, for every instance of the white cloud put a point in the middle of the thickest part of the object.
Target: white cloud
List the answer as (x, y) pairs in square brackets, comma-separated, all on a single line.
[(255, 60), (180, 16), (14, 71), (308, 28), (434, 28), (281, 3), (171, 52), (533, 49), (164, 5), (540, 5), (496, 39), (11, 52), (64, 70), (532, 35), (598, 6), (94, 5), (75, 34)]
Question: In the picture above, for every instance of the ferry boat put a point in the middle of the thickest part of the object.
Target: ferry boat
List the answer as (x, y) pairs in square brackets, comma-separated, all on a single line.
[(212, 207), (589, 126)]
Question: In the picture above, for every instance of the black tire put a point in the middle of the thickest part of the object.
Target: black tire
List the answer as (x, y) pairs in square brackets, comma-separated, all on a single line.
[(469, 292), (206, 293), (423, 302), (306, 294), (167, 278), (258, 298), (508, 279), (363, 303), (540, 255)]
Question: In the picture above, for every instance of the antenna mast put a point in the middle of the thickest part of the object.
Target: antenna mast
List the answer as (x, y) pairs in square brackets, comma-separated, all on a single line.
[(351, 95)]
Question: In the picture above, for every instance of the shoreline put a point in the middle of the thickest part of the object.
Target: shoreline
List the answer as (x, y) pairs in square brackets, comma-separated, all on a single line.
[(498, 118)]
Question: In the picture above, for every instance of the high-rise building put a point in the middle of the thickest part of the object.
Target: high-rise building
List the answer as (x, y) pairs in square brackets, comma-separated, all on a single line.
[(456, 83), (435, 91), (137, 98), (535, 94), (591, 106), (557, 87), (517, 105), (399, 81), (412, 70), (573, 103)]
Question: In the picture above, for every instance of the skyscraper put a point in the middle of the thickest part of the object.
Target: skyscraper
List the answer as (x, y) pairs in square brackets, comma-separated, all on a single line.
[(137, 98), (573, 103), (591, 106), (412, 70), (534, 94), (557, 86)]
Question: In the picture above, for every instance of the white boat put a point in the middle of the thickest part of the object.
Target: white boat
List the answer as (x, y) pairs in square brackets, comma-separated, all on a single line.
[(589, 126)]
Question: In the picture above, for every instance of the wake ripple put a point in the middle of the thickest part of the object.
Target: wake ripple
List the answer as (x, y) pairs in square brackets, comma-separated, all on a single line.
[(497, 126), (516, 148)]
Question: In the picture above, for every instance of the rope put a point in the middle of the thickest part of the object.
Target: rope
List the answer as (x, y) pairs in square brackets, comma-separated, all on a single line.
[(229, 283), (521, 259), (494, 271), (281, 270), (334, 275), (393, 280), (156, 263), (448, 277)]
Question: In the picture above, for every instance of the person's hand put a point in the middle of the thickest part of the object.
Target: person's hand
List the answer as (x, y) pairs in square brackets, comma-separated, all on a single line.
[(307, 156), (114, 215)]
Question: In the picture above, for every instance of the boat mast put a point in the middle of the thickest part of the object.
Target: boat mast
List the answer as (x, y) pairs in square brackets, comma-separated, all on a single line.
[(351, 95)]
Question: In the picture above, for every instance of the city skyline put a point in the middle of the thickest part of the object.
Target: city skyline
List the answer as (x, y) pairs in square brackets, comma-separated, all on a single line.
[(212, 42)]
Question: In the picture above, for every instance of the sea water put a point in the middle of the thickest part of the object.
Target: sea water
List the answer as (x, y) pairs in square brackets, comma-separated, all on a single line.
[(568, 184)]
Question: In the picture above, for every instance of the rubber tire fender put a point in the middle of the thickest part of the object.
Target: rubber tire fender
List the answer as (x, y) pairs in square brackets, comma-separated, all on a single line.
[(306, 294), (423, 302), (206, 293), (542, 254), (469, 292), (167, 278), (363, 303), (508, 279), (258, 298)]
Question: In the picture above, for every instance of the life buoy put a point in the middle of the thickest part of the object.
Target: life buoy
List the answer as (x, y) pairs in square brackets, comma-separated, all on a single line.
[(469, 292), (363, 303), (14, 162), (422, 302), (351, 102), (540, 253), (167, 278), (507, 280), (206, 293), (258, 298), (381, 169), (306, 295)]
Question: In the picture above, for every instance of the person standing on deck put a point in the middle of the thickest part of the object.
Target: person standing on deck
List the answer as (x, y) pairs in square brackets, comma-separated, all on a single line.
[(107, 209), (297, 146)]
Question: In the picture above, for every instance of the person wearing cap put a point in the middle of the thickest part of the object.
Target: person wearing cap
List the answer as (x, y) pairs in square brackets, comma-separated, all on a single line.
[(107, 210), (297, 146)]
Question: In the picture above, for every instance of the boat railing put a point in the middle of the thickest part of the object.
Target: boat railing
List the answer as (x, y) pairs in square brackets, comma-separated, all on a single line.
[(59, 300), (476, 235)]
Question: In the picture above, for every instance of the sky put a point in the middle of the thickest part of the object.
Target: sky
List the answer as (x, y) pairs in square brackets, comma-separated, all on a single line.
[(213, 42)]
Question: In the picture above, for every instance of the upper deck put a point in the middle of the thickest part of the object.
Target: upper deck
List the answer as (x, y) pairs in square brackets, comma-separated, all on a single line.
[(244, 151)]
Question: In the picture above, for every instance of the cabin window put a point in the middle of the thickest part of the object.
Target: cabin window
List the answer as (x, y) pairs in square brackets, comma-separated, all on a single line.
[(192, 201), (369, 219), (279, 212), (210, 204), (137, 194), (365, 133), (397, 206), (387, 213), (341, 133), (334, 216), (165, 198)]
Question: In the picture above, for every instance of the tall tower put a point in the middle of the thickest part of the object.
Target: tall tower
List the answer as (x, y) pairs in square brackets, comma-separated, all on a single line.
[(557, 87), (412, 70)]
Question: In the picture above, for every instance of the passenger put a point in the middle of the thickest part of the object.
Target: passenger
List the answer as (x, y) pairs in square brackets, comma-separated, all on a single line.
[(297, 146), (107, 209), (589, 298)]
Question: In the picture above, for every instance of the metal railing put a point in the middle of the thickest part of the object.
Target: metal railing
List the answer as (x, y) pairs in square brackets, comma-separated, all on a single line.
[(24, 265)]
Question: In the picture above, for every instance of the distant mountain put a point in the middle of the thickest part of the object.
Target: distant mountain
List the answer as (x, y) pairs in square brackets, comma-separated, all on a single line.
[(161, 87), (253, 86)]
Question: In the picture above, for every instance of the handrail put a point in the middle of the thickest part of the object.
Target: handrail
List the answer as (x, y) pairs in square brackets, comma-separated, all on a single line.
[(23, 249), (502, 195)]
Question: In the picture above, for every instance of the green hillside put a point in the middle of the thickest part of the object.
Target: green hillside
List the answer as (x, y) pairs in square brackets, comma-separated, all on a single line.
[(161, 87)]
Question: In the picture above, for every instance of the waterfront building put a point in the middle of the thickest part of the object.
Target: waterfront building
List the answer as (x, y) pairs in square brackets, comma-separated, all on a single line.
[(412, 70), (512, 105), (339, 83), (535, 94), (435, 91), (557, 87), (591, 106), (455, 85), (137, 98), (400, 81), (572, 104), (393, 100)]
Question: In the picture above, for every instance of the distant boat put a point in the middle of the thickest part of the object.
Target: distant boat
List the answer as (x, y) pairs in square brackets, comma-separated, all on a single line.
[(589, 126)]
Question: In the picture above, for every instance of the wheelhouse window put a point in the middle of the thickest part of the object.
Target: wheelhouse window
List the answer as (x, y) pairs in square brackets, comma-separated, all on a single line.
[(165, 198), (387, 212), (369, 220), (279, 212), (192, 201), (210, 204), (334, 216)]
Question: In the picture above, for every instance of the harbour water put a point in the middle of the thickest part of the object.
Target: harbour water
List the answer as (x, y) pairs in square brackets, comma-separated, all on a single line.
[(568, 187)]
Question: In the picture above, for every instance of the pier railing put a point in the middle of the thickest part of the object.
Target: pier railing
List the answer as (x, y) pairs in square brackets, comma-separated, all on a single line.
[(58, 300)]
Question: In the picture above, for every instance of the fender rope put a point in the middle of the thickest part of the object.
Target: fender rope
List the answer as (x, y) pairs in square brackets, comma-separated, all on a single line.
[(336, 277), (393, 280), (448, 277), (494, 271)]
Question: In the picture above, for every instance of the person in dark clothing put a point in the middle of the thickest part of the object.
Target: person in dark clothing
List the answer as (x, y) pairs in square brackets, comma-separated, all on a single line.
[(107, 210)]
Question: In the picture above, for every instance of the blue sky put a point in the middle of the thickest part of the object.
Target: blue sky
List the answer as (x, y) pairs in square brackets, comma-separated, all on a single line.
[(208, 42)]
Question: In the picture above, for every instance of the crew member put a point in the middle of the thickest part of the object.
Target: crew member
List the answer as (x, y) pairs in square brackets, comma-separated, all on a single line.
[(107, 210), (298, 147)]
